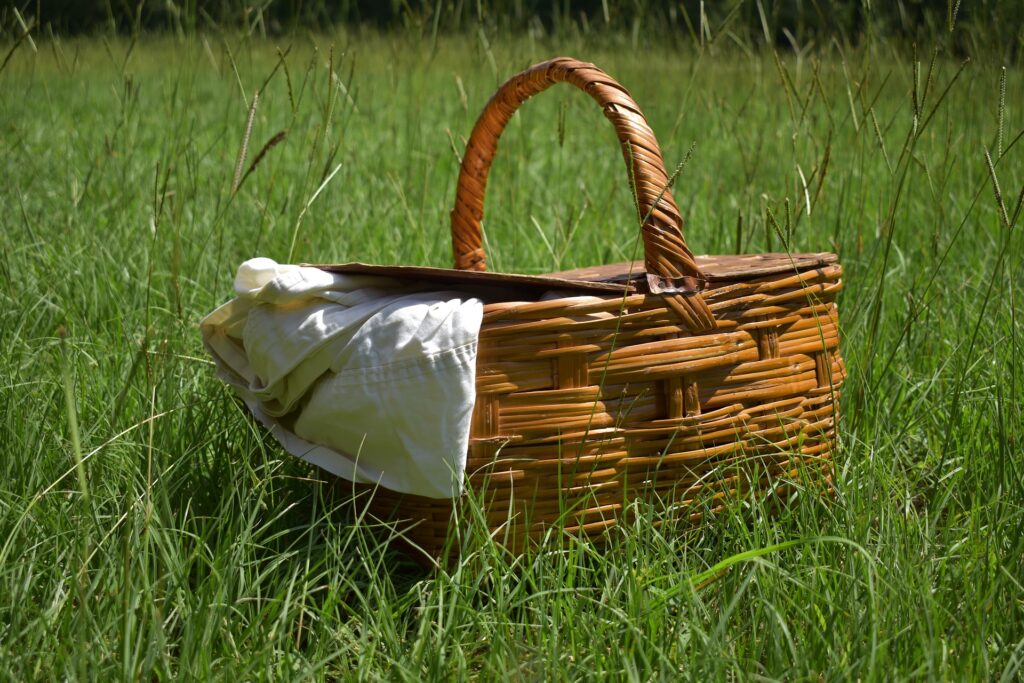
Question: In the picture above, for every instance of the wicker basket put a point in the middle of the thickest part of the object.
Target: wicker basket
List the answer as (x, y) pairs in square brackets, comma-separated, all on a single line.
[(696, 379)]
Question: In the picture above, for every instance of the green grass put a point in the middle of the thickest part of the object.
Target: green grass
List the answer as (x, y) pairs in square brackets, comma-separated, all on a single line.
[(192, 546)]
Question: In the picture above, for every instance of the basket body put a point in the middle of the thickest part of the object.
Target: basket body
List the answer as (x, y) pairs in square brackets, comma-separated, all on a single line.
[(586, 403)]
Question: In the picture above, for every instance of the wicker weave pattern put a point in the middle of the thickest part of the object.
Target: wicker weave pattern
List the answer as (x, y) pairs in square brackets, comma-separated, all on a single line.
[(721, 382), (585, 403)]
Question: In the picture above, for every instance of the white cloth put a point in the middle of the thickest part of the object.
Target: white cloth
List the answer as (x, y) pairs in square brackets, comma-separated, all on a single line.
[(364, 376)]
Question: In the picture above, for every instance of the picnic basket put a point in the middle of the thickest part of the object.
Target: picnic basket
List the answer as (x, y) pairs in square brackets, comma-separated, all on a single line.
[(695, 379)]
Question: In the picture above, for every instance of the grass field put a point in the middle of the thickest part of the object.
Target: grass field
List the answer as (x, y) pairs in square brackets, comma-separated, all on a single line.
[(187, 544)]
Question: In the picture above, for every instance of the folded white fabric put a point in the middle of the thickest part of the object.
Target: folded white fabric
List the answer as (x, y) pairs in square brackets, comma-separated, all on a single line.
[(364, 376)]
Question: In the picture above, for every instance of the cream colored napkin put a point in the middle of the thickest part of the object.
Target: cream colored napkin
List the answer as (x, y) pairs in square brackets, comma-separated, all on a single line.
[(364, 376)]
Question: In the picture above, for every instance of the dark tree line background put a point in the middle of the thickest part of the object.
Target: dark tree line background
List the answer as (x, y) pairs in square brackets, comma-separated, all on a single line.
[(997, 23)]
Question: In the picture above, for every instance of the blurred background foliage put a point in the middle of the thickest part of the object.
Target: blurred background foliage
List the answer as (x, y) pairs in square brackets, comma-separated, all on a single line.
[(998, 24)]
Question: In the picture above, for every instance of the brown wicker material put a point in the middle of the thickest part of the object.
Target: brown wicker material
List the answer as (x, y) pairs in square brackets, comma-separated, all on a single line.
[(709, 377)]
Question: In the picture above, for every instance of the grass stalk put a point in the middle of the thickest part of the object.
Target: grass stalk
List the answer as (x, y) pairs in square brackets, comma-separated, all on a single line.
[(71, 411)]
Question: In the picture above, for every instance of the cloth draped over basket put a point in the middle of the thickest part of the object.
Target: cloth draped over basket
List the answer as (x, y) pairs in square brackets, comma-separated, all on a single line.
[(368, 377)]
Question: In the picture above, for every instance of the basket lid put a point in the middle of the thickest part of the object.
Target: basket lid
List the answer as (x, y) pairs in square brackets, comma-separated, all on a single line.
[(450, 276), (616, 277)]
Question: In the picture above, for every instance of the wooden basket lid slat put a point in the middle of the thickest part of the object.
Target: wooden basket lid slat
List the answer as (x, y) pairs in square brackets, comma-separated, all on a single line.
[(616, 277)]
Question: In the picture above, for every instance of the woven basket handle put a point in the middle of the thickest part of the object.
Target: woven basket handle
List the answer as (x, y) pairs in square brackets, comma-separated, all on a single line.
[(671, 268)]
